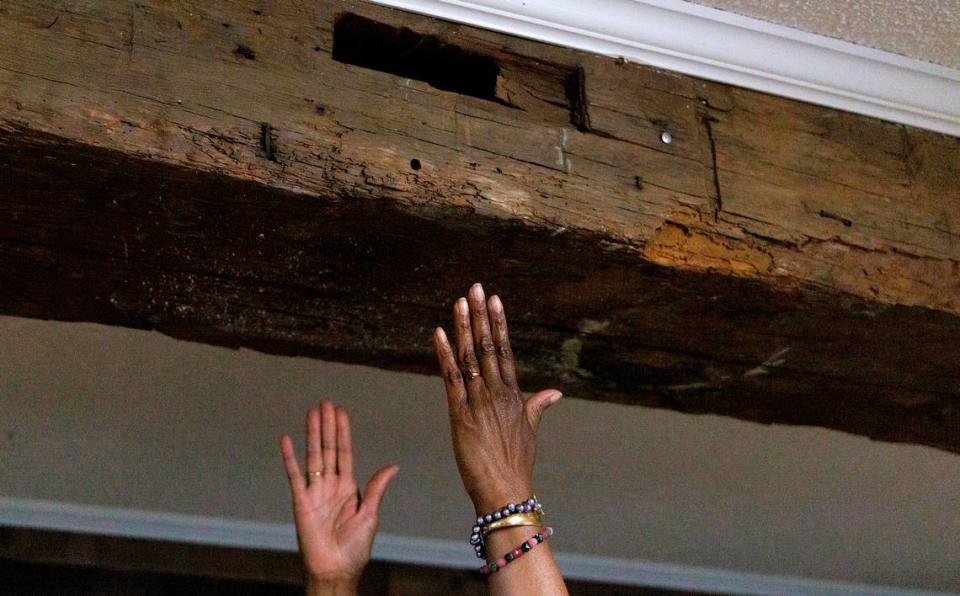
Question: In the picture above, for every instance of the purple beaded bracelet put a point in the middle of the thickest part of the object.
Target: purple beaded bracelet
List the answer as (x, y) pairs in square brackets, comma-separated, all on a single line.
[(476, 533), (494, 566)]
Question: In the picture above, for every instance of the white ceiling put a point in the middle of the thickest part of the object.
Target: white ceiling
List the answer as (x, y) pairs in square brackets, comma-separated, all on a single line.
[(924, 29), (106, 416)]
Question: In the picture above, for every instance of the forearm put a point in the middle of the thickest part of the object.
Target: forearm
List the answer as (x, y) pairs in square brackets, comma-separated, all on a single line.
[(535, 572), (340, 587)]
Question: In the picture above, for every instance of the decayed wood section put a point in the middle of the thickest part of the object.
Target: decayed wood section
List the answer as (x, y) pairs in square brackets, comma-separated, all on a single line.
[(220, 172)]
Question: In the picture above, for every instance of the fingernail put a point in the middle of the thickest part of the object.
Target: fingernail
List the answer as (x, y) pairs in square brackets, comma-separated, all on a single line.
[(477, 291), (440, 333), (495, 304), (462, 306), (555, 397)]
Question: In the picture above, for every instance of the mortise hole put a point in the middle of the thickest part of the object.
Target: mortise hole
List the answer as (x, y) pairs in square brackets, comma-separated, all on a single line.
[(406, 53), (415, 164), (546, 91)]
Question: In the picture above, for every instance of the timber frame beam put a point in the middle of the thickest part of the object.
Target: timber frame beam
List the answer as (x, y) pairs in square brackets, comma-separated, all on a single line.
[(324, 179)]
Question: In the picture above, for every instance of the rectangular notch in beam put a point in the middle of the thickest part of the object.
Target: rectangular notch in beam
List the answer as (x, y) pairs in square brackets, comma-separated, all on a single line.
[(545, 90)]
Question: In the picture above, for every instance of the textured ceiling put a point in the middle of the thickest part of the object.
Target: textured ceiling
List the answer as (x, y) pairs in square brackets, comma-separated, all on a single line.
[(924, 29)]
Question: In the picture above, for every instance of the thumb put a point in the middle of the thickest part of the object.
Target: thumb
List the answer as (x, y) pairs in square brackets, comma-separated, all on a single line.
[(538, 404), (376, 487)]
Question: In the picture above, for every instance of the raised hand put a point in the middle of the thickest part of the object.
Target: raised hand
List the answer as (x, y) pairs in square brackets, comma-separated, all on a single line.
[(494, 429), (335, 527), (495, 439)]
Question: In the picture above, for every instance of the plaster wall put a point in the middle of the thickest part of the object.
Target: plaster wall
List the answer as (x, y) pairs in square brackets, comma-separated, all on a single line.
[(108, 416)]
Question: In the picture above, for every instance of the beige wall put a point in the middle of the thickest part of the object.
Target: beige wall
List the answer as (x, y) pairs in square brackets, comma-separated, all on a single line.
[(108, 416), (924, 29)]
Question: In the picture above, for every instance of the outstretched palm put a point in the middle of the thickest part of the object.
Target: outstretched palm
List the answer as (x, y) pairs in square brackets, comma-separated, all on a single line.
[(335, 527)]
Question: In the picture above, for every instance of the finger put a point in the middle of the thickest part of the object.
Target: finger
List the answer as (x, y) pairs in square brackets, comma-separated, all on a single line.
[(501, 339), (314, 458), (538, 404), (328, 436), (297, 483), (376, 488), (452, 378), (482, 340), (465, 354), (344, 444)]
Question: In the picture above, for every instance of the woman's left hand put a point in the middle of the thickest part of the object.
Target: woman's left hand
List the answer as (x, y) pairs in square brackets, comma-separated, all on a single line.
[(335, 527)]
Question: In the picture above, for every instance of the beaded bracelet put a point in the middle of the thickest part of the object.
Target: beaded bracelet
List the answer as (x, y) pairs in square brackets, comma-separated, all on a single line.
[(531, 504), (476, 535), (494, 566)]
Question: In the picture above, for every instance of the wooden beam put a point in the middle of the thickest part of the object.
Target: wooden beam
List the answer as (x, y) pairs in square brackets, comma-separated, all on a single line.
[(144, 556), (36, 561), (226, 172)]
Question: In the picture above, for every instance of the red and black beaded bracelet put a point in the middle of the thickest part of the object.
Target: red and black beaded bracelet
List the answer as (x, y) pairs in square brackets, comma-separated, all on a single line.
[(494, 566)]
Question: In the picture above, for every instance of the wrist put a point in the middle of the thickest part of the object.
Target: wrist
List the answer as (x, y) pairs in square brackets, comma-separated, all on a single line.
[(332, 586), (495, 498)]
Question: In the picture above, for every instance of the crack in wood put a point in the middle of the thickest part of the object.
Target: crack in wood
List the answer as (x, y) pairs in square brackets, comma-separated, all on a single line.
[(828, 215), (576, 87), (268, 142), (707, 121)]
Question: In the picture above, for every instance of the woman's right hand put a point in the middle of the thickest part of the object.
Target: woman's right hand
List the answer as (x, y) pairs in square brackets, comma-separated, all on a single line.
[(494, 429)]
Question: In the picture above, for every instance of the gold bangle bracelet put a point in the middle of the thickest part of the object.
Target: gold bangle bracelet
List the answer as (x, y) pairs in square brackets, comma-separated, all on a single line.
[(533, 518)]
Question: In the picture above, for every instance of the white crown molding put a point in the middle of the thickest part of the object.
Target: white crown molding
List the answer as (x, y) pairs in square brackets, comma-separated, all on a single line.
[(194, 529), (721, 46)]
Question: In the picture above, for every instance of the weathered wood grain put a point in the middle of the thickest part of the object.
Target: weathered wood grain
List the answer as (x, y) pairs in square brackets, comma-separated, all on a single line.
[(206, 257), (209, 170)]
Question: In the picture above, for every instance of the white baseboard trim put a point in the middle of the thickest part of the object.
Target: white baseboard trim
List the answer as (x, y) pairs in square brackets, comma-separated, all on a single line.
[(728, 48), (194, 529)]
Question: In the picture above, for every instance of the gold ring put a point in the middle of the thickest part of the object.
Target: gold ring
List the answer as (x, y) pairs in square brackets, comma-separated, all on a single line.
[(472, 374), (315, 474)]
